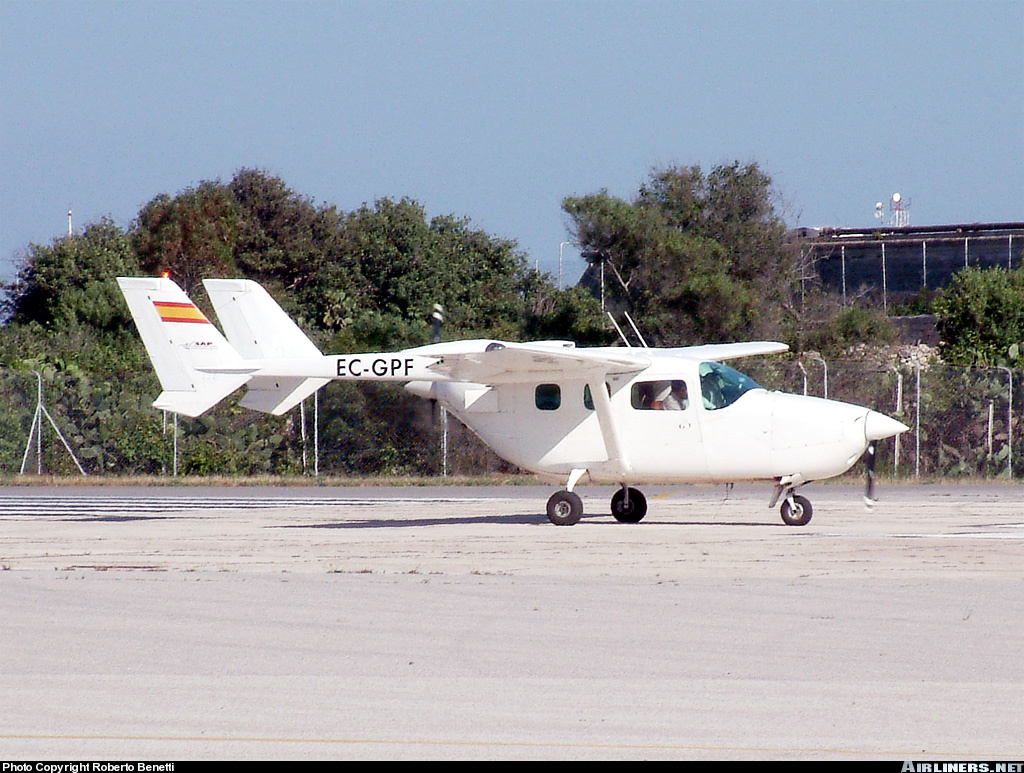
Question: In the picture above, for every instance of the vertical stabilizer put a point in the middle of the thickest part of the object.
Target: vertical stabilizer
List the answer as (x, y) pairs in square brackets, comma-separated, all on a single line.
[(183, 346), (261, 330)]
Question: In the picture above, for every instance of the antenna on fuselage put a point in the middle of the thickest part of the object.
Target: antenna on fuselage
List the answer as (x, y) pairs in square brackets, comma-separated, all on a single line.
[(619, 329), (632, 324), (635, 329)]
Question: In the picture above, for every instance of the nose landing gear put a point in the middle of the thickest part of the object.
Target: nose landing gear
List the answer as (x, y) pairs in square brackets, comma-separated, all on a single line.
[(796, 510)]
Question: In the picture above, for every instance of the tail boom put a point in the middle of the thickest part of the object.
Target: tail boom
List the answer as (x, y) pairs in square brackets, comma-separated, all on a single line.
[(264, 349)]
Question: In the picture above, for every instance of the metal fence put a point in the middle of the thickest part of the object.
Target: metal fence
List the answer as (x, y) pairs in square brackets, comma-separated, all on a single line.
[(963, 421), (896, 265)]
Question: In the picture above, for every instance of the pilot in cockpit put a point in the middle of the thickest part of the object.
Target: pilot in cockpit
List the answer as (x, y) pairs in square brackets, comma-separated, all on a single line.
[(676, 399)]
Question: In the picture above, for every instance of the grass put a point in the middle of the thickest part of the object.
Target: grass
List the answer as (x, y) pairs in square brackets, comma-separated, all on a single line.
[(266, 480), (854, 476)]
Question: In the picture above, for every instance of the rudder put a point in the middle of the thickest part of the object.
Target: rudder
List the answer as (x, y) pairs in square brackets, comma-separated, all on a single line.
[(261, 330), (196, 366)]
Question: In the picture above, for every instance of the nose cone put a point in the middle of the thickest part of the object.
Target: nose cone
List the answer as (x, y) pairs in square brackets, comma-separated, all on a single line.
[(878, 426)]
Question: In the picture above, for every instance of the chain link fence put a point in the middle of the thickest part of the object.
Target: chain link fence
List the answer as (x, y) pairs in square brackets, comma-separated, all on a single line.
[(963, 422)]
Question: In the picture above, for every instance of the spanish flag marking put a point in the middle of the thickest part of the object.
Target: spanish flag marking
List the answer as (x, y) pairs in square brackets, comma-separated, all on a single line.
[(174, 311)]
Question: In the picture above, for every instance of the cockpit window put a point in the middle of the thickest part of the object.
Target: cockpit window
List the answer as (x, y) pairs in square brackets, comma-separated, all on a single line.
[(721, 386)]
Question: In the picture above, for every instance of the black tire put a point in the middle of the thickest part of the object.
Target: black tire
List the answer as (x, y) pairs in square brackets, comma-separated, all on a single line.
[(634, 511), (565, 508), (799, 514)]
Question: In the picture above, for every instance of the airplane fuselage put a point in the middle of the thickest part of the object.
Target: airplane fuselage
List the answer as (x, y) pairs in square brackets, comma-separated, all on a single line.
[(554, 427)]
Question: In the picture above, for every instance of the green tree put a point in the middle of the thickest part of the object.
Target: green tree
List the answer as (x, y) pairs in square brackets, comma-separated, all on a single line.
[(697, 257), (980, 318), (287, 243), (409, 263), (192, 235), (70, 284)]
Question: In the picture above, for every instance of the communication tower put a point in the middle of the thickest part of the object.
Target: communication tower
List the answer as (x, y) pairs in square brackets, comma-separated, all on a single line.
[(899, 214)]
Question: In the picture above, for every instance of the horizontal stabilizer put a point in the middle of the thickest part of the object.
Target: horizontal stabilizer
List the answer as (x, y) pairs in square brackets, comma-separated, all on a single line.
[(196, 403), (275, 395)]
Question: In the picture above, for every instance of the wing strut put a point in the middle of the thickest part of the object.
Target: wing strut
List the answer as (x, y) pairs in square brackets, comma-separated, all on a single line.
[(609, 426)]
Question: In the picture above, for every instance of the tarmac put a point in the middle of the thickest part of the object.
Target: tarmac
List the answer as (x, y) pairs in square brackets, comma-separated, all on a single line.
[(458, 623)]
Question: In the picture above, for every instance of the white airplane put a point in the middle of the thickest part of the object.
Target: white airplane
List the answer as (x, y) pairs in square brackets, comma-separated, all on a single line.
[(607, 415)]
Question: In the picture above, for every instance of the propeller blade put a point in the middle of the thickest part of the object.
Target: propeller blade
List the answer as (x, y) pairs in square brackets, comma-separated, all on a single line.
[(869, 487)]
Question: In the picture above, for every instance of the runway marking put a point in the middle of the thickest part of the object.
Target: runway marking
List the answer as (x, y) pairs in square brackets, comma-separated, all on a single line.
[(64, 506)]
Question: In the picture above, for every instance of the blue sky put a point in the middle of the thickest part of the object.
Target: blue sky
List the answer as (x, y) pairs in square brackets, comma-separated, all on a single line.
[(498, 110)]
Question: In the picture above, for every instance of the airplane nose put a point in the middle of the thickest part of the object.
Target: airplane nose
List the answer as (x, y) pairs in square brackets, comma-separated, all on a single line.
[(878, 426)]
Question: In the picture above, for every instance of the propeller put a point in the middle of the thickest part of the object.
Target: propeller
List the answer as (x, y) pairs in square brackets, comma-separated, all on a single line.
[(877, 426), (869, 484)]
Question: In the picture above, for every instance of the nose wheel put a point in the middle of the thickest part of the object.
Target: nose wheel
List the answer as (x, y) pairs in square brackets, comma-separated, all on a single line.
[(796, 510)]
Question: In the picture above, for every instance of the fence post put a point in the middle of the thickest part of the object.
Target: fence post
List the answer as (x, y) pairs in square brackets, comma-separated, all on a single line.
[(899, 408), (1009, 423), (824, 366), (302, 418), (175, 445), (917, 423), (444, 442), (991, 417)]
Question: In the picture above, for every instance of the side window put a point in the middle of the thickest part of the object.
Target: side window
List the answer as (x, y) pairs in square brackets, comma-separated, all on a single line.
[(548, 397), (660, 396), (588, 398)]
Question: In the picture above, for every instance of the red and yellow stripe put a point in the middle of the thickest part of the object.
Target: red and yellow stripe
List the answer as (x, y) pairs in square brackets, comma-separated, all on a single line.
[(175, 311)]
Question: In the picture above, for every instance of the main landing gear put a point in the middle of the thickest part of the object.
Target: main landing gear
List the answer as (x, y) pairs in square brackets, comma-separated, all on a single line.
[(629, 505), (565, 508)]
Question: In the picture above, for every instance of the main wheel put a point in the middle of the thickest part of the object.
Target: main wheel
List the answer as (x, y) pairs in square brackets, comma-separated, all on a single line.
[(565, 508), (631, 511), (799, 514)]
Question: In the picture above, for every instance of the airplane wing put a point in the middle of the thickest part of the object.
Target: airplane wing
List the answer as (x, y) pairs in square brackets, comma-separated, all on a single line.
[(720, 352), (494, 362)]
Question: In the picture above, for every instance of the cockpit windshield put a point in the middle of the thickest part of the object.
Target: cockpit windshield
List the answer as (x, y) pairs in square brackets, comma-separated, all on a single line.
[(721, 385)]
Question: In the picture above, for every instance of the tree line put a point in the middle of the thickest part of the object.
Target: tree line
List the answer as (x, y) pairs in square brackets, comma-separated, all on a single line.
[(692, 256)]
